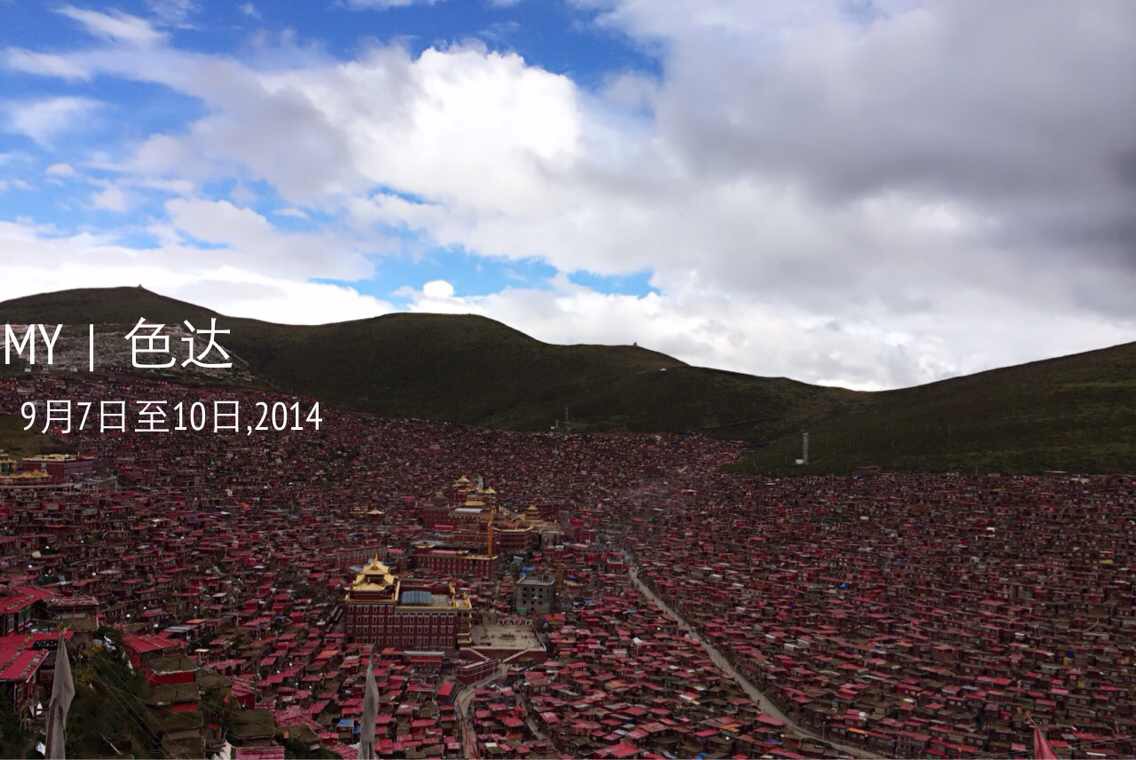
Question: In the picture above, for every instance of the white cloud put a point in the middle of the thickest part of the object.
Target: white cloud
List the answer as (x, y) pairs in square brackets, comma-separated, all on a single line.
[(459, 116), (819, 196), (60, 170), (111, 198), (14, 184), (114, 25), (43, 120), (175, 13), (43, 64), (250, 238), (710, 328), (40, 260), (250, 10), (438, 290), (172, 186)]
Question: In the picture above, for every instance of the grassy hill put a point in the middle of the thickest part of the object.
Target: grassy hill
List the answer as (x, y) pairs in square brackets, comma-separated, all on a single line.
[(1076, 412), (467, 369), (16, 442)]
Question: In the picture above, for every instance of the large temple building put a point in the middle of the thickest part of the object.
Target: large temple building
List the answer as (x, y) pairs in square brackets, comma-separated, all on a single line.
[(44, 470), (411, 615), (471, 518)]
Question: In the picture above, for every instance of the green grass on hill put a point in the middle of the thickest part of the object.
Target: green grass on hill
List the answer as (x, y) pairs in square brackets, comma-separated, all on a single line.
[(465, 369), (1076, 412), (16, 442)]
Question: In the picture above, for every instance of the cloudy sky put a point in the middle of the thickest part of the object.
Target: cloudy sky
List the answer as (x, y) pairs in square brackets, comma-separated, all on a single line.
[(872, 193)]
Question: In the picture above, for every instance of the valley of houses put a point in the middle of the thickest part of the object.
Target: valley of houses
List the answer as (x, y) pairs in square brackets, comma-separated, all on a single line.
[(509, 590)]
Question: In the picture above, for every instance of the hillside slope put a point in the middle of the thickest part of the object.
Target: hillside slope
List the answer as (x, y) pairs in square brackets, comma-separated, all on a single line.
[(17, 442), (467, 369), (1075, 412)]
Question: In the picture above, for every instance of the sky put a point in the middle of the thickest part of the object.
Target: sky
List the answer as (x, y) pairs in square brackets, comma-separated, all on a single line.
[(867, 193)]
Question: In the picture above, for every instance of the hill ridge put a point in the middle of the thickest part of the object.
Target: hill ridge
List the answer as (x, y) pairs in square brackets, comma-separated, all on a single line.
[(1070, 412)]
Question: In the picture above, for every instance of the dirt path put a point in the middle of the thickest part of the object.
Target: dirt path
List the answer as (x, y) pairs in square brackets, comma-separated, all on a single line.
[(724, 665)]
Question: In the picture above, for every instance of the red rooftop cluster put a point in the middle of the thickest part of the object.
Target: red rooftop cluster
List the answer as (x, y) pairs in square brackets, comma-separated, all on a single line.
[(938, 616), (906, 615)]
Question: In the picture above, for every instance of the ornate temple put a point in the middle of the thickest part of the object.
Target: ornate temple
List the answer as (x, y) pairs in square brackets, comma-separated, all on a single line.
[(471, 518), (411, 615)]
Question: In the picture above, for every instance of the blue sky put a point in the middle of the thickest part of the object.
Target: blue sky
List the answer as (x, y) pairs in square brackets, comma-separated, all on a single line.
[(555, 36), (841, 191)]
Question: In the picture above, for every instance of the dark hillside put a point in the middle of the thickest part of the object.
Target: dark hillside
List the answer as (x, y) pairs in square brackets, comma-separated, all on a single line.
[(1075, 412)]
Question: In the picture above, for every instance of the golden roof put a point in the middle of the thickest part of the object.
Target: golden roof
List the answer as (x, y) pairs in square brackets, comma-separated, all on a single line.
[(375, 576), (26, 475)]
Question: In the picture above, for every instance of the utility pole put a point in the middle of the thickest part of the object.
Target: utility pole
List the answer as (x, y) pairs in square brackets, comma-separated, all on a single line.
[(804, 448)]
